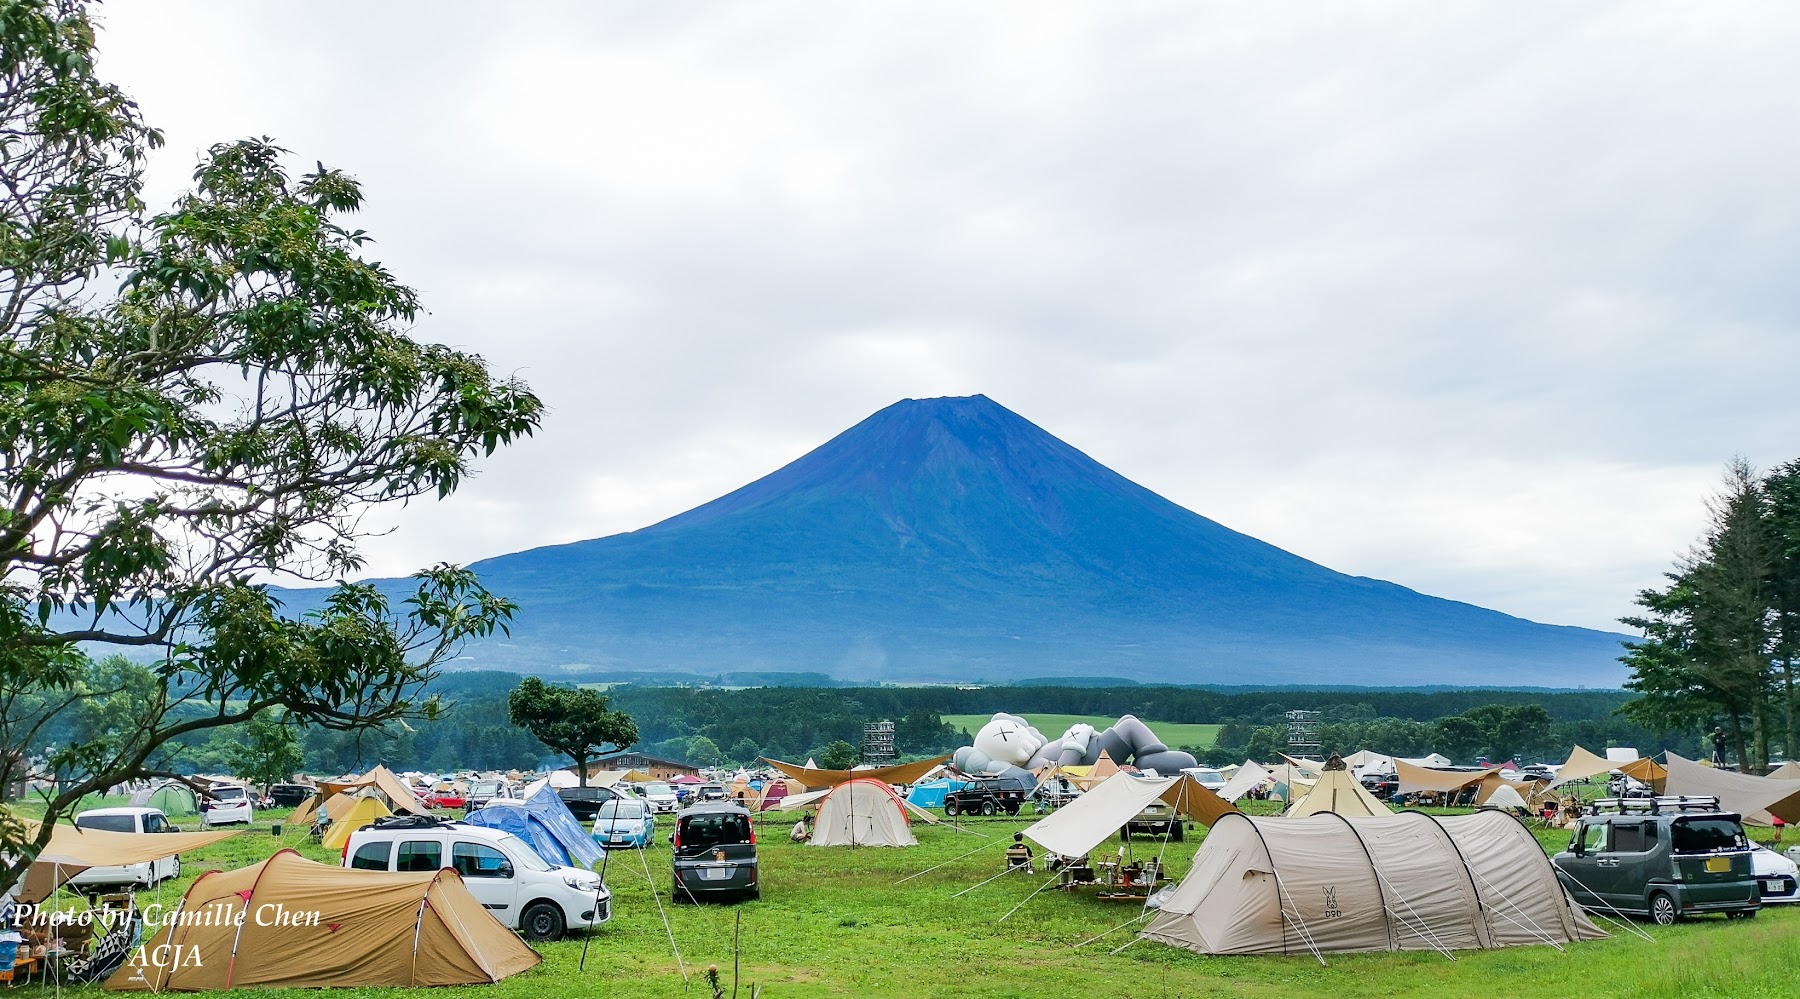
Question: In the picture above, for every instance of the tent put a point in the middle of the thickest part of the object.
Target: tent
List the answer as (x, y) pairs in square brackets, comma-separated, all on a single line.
[(1431, 761), (1414, 778), (1079, 826), (1408, 881), (343, 928), (1248, 776), (1787, 771), (400, 798), (545, 822), (863, 813), (1290, 782), (1506, 796), (1757, 799), (563, 778), (72, 850), (1340, 792), (362, 811), (811, 776), (1583, 764), (172, 798), (931, 793)]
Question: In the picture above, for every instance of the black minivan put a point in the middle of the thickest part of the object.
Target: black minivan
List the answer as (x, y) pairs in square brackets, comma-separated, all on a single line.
[(1664, 858), (715, 852)]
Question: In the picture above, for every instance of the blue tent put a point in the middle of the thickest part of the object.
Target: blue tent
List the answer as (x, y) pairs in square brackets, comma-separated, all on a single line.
[(543, 821), (931, 793)]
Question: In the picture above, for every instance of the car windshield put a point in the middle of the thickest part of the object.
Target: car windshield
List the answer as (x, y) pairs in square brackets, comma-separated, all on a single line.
[(489, 787), (109, 823), (228, 792), (522, 854), (713, 829), (620, 808), (658, 787), (1707, 836)]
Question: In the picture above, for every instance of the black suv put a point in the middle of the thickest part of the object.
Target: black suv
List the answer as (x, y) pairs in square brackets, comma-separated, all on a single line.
[(715, 852), (986, 796)]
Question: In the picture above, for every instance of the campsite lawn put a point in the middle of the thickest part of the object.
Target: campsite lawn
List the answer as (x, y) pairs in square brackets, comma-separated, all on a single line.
[(833, 922), (1175, 734)]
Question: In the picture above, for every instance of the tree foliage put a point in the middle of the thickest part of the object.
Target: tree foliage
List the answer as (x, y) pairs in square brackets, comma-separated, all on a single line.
[(191, 402), (573, 721), (840, 755), (1719, 639)]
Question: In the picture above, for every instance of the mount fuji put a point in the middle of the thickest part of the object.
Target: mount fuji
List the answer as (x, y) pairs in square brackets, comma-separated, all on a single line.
[(952, 540)]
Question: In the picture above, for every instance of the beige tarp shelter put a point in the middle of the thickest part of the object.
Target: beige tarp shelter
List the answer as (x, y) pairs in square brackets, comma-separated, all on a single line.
[(1757, 799), (1082, 824), (1245, 780), (1337, 791), (905, 773), (400, 798), (370, 928), (1583, 764), (1787, 771), (863, 813), (72, 850), (362, 811), (1290, 782), (1310, 768), (1414, 779), (1331, 884)]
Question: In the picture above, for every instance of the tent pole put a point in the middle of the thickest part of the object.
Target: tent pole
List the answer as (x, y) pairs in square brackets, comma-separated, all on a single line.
[(1140, 917)]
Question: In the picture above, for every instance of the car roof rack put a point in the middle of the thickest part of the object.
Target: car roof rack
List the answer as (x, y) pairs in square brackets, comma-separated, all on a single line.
[(1668, 804)]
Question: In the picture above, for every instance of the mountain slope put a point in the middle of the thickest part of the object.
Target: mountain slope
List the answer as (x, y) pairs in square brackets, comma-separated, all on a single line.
[(951, 539)]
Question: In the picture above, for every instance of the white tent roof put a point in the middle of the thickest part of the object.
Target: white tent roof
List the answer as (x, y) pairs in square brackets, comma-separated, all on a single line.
[(1250, 774), (1506, 796), (563, 778), (1086, 822), (1432, 761)]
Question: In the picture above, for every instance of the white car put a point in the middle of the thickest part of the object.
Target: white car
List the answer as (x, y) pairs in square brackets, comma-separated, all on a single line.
[(660, 795), (540, 900), (1777, 876), (1208, 778), (226, 805), (146, 821)]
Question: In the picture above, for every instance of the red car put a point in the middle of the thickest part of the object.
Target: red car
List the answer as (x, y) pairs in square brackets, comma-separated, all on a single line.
[(447, 798)]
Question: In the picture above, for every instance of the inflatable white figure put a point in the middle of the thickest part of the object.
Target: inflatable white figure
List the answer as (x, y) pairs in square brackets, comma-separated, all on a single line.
[(1128, 742), (1004, 743)]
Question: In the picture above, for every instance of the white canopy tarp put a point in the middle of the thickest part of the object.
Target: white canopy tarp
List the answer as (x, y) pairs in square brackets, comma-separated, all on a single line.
[(1248, 776), (1079, 826)]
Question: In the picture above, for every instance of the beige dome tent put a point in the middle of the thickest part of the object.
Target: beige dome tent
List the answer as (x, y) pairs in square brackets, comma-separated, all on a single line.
[(1407, 881), (290, 923), (860, 813), (362, 811), (1337, 791)]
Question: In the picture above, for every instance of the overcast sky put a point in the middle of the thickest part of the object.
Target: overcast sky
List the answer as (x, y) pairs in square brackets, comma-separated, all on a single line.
[(1474, 298)]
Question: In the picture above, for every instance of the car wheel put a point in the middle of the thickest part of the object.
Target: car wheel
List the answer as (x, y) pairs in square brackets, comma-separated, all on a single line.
[(1662, 910), (541, 921), (950, 808), (987, 808), (175, 875)]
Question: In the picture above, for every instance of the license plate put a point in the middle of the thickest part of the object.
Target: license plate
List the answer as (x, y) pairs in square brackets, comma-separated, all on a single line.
[(716, 873), (1774, 885), (1718, 865)]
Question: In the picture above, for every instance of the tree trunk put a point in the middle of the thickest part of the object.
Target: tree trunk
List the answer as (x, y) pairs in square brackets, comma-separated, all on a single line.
[(1737, 736), (1759, 722), (1790, 747), (581, 771)]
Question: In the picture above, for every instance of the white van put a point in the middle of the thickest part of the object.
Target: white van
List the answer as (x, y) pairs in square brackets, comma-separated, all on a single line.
[(127, 820), (540, 900)]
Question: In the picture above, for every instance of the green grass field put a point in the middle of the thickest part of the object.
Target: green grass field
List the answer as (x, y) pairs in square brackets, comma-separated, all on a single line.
[(834, 922), (1175, 734)]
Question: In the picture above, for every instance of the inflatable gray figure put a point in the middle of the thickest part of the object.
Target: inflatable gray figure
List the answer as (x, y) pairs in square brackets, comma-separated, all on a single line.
[(1128, 742)]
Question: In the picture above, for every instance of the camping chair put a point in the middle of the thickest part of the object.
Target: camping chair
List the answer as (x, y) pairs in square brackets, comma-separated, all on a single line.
[(118, 943), (1018, 858)]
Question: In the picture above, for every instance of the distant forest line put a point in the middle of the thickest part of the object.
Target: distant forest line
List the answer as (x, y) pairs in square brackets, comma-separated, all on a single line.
[(710, 726)]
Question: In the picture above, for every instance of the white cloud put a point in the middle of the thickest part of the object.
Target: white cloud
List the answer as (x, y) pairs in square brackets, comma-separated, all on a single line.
[(1476, 298)]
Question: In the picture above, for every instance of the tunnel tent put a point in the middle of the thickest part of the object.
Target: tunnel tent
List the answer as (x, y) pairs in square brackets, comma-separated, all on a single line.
[(1337, 791), (1328, 883), (345, 928), (544, 822)]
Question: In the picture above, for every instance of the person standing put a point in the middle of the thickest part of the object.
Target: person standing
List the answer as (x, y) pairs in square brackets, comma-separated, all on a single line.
[(1718, 737)]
